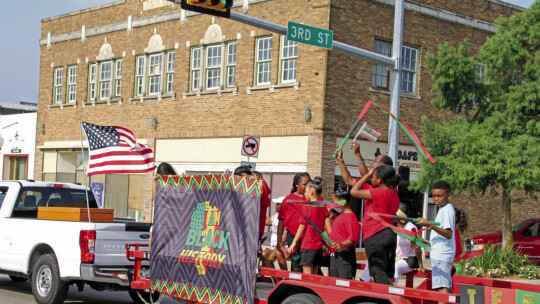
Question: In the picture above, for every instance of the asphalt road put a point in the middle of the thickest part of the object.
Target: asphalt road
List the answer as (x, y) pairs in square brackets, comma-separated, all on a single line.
[(21, 293)]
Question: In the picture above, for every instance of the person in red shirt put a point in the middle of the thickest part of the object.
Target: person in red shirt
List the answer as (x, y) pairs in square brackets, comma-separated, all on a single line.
[(311, 252), (289, 218), (380, 241), (461, 225), (265, 197), (344, 234)]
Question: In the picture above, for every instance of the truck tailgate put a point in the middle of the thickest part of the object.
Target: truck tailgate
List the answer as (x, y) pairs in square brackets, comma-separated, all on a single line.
[(111, 239)]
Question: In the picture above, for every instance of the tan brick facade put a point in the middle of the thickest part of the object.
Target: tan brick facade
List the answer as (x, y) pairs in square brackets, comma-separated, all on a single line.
[(335, 86)]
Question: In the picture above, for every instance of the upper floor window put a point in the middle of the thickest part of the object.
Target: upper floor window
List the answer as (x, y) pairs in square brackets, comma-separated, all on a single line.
[(381, 75), (72, 83), (263, 60), (480, 72), (289, 59), (58, 82), (150, 78), (208, 74), (104, 79)]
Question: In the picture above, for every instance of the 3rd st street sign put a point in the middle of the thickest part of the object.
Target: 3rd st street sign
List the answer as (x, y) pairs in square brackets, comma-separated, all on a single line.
[(310, 35)]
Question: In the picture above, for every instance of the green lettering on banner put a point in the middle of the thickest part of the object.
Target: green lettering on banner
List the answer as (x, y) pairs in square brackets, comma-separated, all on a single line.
[(527, 297), (224, 240), (192, 236)]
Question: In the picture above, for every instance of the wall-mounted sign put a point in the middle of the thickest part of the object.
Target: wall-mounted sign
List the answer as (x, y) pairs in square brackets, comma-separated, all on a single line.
[(15, 150)]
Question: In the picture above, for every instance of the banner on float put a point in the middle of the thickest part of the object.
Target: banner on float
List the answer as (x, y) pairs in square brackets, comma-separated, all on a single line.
[(205, 238)]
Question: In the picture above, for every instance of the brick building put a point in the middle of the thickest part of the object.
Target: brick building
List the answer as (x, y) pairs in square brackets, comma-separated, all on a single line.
[(192, 85)]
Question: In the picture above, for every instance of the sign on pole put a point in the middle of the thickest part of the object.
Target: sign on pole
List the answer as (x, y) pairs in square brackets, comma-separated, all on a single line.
[(250, 146), (250, 165), (310, 35)]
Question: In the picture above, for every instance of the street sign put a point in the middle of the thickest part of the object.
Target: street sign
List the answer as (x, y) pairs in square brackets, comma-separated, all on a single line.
[(250, 146), (251, 166), (310, 35)]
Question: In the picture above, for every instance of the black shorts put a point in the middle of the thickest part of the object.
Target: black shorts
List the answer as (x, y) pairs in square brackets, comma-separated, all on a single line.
[(309, 257), (343, 264)]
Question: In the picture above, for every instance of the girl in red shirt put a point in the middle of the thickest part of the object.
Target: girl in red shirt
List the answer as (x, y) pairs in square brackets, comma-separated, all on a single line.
[(311, 252), (345, 233), (380, 241)]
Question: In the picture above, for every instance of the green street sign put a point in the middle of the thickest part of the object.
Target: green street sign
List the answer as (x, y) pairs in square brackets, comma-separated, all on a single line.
[(310, 35)]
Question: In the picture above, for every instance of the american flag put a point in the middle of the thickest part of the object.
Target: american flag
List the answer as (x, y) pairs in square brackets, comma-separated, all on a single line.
[(114, 150)]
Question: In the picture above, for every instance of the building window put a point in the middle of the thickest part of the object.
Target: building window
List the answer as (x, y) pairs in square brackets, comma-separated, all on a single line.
[(154, 73), (170, 72), (58, 80), (118, 79), (480, 72), (196, 68), (289, 59), (231, 64), (139, 76), (263, 60), (105, 77), (92, 80), (213, 66), (72, 83), (381, 74), (408, 69)]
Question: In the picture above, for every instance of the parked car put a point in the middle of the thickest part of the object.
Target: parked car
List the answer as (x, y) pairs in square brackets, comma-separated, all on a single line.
[(54, 254), (526, 236)]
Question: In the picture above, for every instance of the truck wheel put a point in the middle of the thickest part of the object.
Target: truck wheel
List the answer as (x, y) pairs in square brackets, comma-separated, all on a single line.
[(147, 297), (303, 298), (47, 286), (17, 279)]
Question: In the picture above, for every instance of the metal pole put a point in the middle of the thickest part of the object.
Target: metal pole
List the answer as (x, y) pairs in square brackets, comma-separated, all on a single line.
[(84, 170), (395, 85), (337, 46)]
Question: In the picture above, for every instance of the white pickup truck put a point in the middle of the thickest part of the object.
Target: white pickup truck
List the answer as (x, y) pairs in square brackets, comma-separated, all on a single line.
[(55, 254)]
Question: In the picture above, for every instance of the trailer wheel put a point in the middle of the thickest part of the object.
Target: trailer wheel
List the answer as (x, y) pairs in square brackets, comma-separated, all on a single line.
[(17, 279), (47, 286), (145, 297), (303, 298)]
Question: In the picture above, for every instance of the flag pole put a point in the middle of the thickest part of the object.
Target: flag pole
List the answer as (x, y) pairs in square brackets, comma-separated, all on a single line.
[(84, 170)]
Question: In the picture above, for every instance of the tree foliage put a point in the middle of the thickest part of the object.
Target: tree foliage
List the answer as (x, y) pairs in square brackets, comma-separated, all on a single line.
[(494, 141)]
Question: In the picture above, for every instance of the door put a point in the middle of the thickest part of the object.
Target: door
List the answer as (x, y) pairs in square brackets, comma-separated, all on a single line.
[(15, 167)]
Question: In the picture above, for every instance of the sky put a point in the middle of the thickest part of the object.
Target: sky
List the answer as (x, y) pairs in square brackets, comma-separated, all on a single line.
[(20, 29)]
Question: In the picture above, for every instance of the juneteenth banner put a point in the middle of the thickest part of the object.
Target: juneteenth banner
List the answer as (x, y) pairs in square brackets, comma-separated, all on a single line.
[(205, 238)]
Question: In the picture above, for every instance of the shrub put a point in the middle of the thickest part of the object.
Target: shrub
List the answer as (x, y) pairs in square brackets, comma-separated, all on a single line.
[(496, 262)]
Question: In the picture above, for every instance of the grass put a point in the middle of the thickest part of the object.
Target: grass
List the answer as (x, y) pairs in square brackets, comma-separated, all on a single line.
[(496, 262)]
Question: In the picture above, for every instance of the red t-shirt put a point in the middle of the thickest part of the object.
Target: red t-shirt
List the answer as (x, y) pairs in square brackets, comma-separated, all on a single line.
[(289, 215), (384, 200), (459, 248), (265, 203), (311, 239), (345, 227)]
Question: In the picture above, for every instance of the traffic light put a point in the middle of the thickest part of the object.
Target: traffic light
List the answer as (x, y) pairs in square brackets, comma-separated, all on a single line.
[(221, 8)]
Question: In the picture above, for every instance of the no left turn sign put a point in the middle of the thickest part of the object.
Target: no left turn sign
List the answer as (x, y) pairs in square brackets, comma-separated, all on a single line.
[(250, 146)]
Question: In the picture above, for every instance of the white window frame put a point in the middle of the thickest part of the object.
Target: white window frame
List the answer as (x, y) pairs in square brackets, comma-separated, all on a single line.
[(169, 87), (381, 74), (139, 75), (155, 73), (118, 78), (58, 84), (105, 79), (409, 70), (480, 72), (263, 60), (289, 60), (213, 66), (92, 81), (72, 83), (196, 67), (231, 64)]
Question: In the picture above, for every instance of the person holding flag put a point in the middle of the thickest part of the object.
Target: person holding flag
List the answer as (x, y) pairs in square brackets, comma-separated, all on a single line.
[(311, 252)]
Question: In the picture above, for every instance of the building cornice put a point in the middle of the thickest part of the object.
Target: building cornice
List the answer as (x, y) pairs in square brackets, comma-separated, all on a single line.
[(85, 10), (411, 6)]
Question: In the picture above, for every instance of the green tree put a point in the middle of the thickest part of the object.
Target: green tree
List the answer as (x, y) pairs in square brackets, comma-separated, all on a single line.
[(493, 142)]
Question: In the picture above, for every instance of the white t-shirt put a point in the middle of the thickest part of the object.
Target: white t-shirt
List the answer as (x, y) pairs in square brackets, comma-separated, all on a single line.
[(444, 249), (274, 229), (404, 247)]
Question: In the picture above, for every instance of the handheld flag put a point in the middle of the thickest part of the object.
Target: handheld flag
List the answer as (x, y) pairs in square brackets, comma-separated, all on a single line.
[(114, 150), (356, 123), (368, 132)]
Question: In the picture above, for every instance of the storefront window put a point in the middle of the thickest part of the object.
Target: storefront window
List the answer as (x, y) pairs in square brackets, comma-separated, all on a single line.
[(15, 167)]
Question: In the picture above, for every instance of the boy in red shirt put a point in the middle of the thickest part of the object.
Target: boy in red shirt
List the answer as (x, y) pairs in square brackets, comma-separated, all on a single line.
[(311, 252), (345, 234)]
